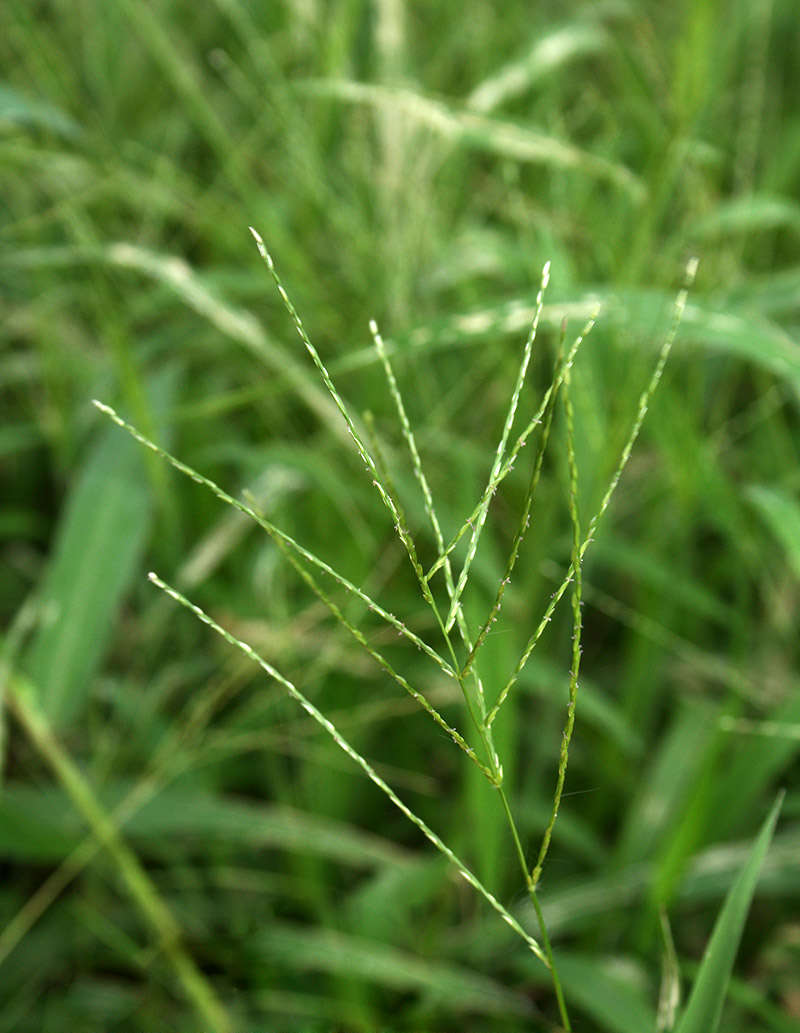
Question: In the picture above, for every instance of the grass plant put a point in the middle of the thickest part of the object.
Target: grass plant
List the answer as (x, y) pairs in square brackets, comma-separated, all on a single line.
[(569, 661)]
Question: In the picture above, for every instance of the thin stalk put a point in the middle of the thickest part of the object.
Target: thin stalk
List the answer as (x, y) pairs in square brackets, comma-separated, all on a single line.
[(577, 590), (531, 888), (562, 1005)]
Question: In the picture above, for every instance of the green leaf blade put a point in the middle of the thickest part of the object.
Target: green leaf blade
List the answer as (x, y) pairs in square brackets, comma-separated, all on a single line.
[(100, 544), (704, 1008)]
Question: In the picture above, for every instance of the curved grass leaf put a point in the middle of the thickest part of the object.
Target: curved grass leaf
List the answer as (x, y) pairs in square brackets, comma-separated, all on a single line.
[(747, 215), (548, 54)]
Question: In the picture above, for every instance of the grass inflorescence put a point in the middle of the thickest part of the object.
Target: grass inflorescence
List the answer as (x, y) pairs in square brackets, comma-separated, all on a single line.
[(474, 699)]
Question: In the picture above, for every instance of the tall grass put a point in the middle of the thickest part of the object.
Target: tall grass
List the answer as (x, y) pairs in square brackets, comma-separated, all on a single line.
[(183, 845)]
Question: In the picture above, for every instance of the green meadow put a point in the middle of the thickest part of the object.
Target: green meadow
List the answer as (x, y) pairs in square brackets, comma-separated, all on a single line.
[(407, 642)]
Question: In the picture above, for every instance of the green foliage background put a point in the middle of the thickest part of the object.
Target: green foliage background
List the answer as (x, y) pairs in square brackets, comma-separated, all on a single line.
[(417, 164)]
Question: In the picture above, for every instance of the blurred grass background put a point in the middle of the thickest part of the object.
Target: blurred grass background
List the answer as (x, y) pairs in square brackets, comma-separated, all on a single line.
[(415, 163)]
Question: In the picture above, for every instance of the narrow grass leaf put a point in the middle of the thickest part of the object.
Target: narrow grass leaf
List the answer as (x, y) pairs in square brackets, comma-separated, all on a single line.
[(741, 333), (236, 323), (99, 543), (704, 1008), (668, 782), (762, 748), (741, 328), (18, 109), (669, 995), (386, 904), (746, 215), (180, 72), (549, 53), (295, 1009)]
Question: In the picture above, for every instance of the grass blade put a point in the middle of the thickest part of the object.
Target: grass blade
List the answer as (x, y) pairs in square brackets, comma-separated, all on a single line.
[(704, 1007), (457, 988), (18, 108), (100, 541), (566, 736), (669, 995), (468, 128), (548, 53), (38, 826)]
